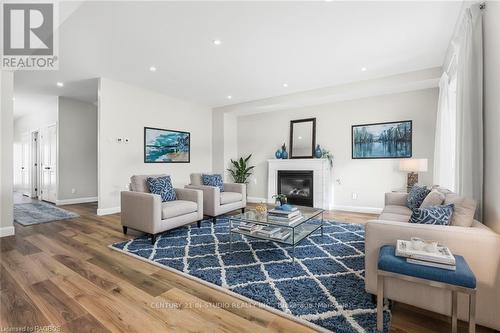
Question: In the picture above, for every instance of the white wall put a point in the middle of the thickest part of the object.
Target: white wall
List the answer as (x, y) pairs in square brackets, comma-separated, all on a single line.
[(6, 153), (262, 134), (123, 111), (224, 142), (77, 136), (38, 111), (492, 115)]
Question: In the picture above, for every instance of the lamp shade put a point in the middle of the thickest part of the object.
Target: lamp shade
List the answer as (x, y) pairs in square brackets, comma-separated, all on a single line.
[(413, 165)]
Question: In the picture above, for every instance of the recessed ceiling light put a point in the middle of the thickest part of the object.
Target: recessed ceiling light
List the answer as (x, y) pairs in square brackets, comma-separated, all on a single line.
[(152, 69), (285, 85), (363, 69), (60, 84), (217, 42), (229, 97)]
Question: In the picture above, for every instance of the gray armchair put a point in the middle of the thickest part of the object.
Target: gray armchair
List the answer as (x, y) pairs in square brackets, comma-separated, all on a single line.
[(215, 202), (144, 211)]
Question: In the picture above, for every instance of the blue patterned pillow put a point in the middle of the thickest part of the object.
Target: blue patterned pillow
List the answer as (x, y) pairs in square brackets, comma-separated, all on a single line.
[(416, 196), (439, 215), (163, 187), (213, 180)]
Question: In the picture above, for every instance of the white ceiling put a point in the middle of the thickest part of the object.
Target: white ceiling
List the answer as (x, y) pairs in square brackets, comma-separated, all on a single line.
[(307, 45)]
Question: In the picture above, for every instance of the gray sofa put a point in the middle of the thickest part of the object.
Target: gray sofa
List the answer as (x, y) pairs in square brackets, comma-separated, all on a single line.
[(217, 203), (144, 211), (479, 245)]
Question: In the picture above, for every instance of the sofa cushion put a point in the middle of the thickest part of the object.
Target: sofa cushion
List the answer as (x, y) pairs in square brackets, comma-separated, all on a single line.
[(196, 179), (394, 217), (416, 195), (213, 180), (175, 208), (465, 208), (163, 187), (439, 215), (396, 209), (230, 197), (434, 198), (138, 183)]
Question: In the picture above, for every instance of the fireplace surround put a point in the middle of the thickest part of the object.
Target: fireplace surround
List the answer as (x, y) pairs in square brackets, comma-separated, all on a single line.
[(322, 185)]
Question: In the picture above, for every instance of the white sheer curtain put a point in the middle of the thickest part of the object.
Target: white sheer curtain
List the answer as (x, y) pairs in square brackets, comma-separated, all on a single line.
[(445, 141), (459, 128), (469, 171)]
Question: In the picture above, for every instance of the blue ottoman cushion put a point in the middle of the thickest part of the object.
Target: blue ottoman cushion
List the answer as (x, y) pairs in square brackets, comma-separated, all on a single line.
[(462, 276)]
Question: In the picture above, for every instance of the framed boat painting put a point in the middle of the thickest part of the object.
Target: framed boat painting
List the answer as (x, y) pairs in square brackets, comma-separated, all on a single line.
[(382, 140), (166, 146)]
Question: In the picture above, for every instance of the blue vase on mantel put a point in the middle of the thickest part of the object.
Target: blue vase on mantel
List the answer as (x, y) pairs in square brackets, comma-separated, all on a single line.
[(284, 154), (318, 152), (278, 154)]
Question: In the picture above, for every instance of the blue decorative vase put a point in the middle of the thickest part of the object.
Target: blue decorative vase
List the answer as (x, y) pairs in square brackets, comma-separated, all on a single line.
[(284, 154), (278, 154), (318, 153)]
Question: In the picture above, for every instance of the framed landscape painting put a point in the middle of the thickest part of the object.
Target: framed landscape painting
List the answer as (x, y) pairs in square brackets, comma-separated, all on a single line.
[(166, 146), (382, 140)]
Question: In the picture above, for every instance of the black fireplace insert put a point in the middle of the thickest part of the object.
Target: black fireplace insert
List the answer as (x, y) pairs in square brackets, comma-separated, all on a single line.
[(297, 185)]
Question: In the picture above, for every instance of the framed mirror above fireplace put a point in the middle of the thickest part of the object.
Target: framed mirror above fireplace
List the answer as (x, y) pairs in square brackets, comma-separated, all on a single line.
[(302, 138)]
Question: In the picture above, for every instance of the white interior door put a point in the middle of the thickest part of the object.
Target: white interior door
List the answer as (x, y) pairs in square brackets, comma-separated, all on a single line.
[(35, 163), (48, 145), (25, 165)]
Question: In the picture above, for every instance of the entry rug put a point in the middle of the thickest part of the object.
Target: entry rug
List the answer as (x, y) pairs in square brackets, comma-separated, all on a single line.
[(324, 289), (40, 212)]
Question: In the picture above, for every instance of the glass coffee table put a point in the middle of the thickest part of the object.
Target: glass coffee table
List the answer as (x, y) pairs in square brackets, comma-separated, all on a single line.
[(300, 228)]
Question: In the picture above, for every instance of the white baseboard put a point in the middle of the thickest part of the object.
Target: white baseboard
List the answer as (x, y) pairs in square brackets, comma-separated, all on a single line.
[(75, 201), (256, 199), (108, 211), (358, 209), (7, 231)]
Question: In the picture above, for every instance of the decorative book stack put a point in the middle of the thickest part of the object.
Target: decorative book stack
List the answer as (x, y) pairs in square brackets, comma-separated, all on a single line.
[(264, 231), (441, 257), (286, 214)]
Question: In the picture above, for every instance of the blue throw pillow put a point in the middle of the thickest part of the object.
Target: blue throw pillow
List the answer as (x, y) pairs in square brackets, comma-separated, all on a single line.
[(416, 196), (213, 180), (163, 187), (439, 215)]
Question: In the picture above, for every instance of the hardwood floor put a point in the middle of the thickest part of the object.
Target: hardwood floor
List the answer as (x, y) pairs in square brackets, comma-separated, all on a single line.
[(63, 274)]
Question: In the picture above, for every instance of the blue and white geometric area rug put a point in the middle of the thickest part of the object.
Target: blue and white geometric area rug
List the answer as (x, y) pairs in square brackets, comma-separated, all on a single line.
[(324, 289)]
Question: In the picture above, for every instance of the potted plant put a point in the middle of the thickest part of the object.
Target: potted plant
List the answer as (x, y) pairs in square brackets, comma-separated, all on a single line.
[(280, 199), (241, 171)]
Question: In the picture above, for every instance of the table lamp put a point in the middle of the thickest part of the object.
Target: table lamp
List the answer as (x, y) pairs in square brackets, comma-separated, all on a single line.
[(413, 166)]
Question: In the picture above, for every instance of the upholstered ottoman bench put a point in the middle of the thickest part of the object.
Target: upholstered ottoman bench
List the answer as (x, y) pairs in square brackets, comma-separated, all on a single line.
[(460, 280)]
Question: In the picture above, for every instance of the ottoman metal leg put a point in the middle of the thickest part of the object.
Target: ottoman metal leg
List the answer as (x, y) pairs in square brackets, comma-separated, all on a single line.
[(472, 313), (380, 303), (454, 312)]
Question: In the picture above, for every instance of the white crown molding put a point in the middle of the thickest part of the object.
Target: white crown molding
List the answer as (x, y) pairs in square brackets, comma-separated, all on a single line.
[(400, 83), (7, 231), (108, 211), (75, 201)]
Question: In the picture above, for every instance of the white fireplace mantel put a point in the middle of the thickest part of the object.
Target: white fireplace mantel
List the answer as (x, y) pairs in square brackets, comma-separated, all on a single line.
[(322, 184)]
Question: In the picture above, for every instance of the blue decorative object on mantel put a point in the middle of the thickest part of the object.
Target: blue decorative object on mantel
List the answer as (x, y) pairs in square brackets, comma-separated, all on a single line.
[(284, 153), (318, 152), (278, 154)]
